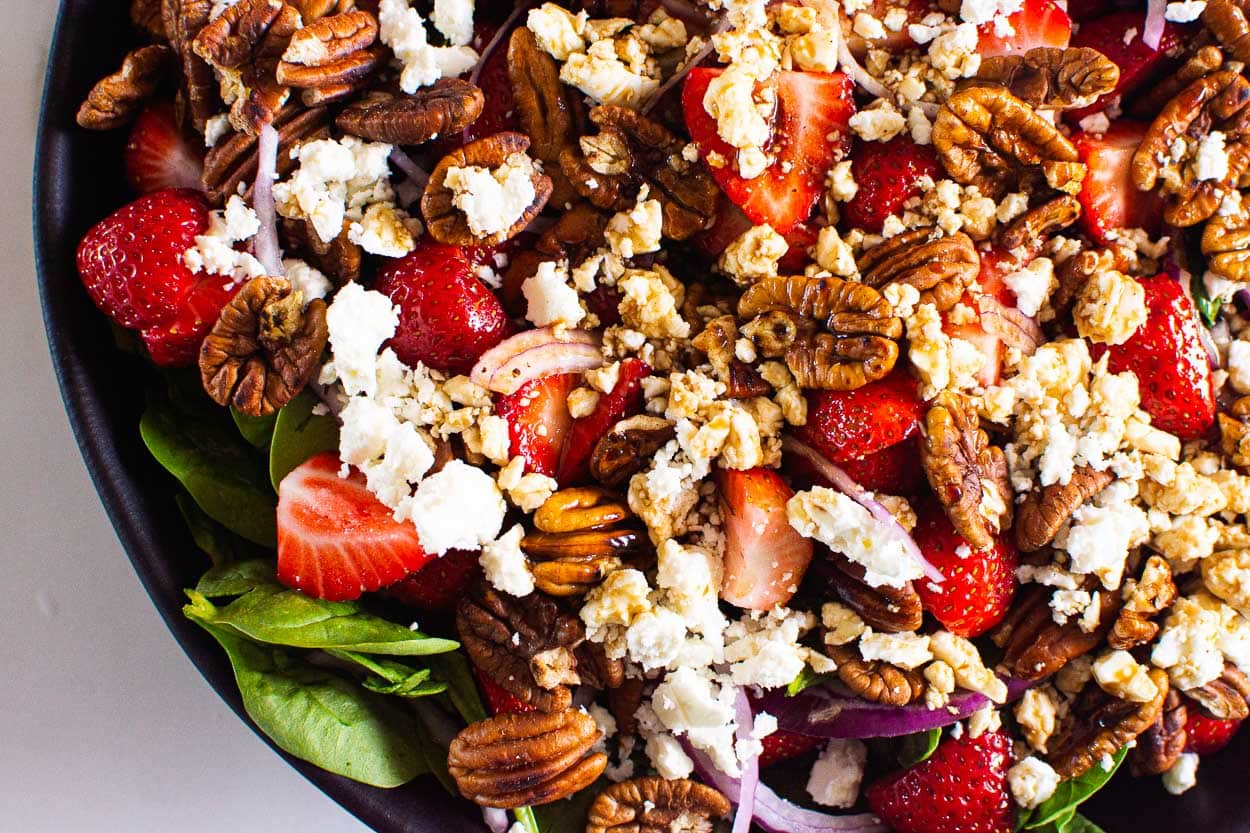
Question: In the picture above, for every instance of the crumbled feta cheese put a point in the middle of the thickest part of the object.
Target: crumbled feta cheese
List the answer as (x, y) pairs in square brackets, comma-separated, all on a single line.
[(1032, 285), (214, 252), (1118, 674), (753, 255), (454, 19), (557, 30), (878, 124), (359, 321), (401, 28), (1211, 160), (1184, 773), (459, 507), (837, 773), (493, 199), (549, 299), (1110, 308), (847, 528), (1032, 781), (670, 761), (1188, 647), (309, 282), (505, 565), (637, 231), (906, 650), (1186, 11)]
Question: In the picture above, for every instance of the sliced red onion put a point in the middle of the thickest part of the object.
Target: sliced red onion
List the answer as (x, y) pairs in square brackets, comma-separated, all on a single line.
[(496, 819), (848, 63), (494, 42), (749, 781), (1009, 324), (821, 712), (415, 174), (1152, 32), (265, 245), (534, 353), (685, 11), (843, 483)]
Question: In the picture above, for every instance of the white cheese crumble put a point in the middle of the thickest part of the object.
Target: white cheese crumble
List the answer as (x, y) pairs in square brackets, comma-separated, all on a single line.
[(214, 251), (847, 528), (401, 28), (505, 565), (493, 199), (459, 507), (837, 773)]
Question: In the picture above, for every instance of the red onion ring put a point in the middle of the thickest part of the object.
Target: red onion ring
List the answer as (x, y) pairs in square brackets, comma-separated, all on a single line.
[(414, 173), (1009, 324), (1152, 32), (496, 819), (749, 781), (265, 246), (534, 353)]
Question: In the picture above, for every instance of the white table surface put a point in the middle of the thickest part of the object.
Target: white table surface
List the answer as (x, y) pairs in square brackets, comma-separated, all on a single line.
[(105, 726)]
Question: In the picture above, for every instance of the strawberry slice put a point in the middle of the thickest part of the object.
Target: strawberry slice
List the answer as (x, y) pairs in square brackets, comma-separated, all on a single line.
[(498, 699), (1206, 735), (1139, 64), (848, 425), (1167, 355), (335, 539), (159, 155), (894, 470), (438, 585), (811, 107), (765, 558), (624, 400), (1037, 23), (979, 585), (1109, 199), (782, 746), (888, 174), (539, 421)]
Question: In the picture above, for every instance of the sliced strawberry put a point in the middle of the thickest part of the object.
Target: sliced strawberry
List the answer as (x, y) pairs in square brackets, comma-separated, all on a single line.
[(811, 108), (979, 585), (1167, 355), (498, 699), (800, 239), (1206, 735), (961, 788), (847, 425), (538, 420), (1108, 197), (624, 400), (1037, 23), (765, 558), (335, 539), (159, 155), (990, 345), (888, 174), (782, 746), (447, 317), (894, 470), (438, 585), (1139, 64)]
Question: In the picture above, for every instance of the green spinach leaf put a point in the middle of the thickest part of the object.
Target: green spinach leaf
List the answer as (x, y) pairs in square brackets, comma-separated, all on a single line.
[(569, 815), (1070, 794), (1080, 824), (918, 747), (393, 678), (221, 545), (806, 679), (1208, 307), (256, 430), (236, 579), (298, 434), (225, 480), (453, 669), (318, 716)]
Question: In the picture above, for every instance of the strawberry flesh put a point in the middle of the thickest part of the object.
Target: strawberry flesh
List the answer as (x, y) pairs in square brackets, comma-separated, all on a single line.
[(438, 585), (1204, 734), (765, 558), (624, 400), (1109, 199), (159, 155), (1037, 23), (782, 746), (1139, 64), (539, 420)]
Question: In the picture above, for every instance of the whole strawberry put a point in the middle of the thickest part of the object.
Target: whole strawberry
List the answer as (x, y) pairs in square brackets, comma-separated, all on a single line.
[(847, 425), (131, 265), (447, 316), (438, 585), (1206, 735), (888, 174), (961, 788)]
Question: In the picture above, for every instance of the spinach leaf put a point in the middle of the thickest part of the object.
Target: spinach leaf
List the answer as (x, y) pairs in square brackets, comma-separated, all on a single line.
[(221, 545), (568, 815), (236, 579), (1208, 307), (318, 716), (222, 476), (918, 747), (256, 430), (278, 616), (1080, 824), (806, 679), (393, 678), (433, 742), (298, 434), (453, 669), (1070, 794), (526, 818)]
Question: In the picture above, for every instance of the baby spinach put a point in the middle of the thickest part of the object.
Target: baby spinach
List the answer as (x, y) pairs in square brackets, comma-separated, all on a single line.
[(806, 679), (225, 480), (221, 545), (918, 747), (256, 430), (236, 579), (393, 678), (453, 669), (298, 434), (1208, 307), (278, 616), (1061, 807), (318, 716)]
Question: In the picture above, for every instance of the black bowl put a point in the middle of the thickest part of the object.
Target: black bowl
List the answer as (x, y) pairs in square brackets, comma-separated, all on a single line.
[(78, 180)]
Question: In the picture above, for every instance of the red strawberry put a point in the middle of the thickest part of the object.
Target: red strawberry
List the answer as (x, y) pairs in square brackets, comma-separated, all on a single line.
[(895, 470), (888, 174), (447, 316), (979, 584), (1168, 357), (1038, 23), (847, 425), (499, 112), (811, 107), (1108, 197), (131, 265), (624, 400), (1139, 64), (159, 155), (498, 699), (438, 585), (782, 746), (1207, 735), (765, 558), (335, 539), (538, 420), (605, 302)]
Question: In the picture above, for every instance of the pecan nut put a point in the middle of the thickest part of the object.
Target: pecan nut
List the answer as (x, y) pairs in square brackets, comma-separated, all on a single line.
[(146, 15), (1227, 20), (884, 608), (447, 107), (629, 447), (1235, 439), (859, 343), (1043, 511), (183, 20), (1075, 272), (332, 50), (525, 645), (940, 268), (447, 223), (968, 475), (1226, 244), (547, 113), (1102, 725), (1227, 697), (718, 340), (230, 40), (1149, 596), (1047, 78), (518, 760), (264, 347), (116, 98), (656, 805), (875, 680), (1035, 646), (340, 259), (1161, 746), (232, 162), (311, 10), (1033, 228)]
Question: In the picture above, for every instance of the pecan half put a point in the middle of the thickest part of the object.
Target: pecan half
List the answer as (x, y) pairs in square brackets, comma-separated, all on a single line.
[(941, 268), (629, 448), (583, 535), (264, 347), (146, 15), (884, 608), (985, 134), (547, 112), (718, 340), (1227, 20), (1160, 746), (968, 475), (447, 223), (183, 20), (875, 680), (1075, 272), (311, 10), (1043, 511), (115, 99), (518, 760), (656, 805), (231, 39), (334, 51), (1047, 78), (340, 259), (1235, 439), (233, 161), (651, 156), (1225, 698), (1102, 725), (1149, 596), (245, 43), (623, 702), (1033, 228), (1035, 646), (1226, 243), (858, 343), (447, 107), (524, 645)]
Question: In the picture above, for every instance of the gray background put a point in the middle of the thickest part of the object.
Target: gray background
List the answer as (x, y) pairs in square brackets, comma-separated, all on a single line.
[(105, 726)]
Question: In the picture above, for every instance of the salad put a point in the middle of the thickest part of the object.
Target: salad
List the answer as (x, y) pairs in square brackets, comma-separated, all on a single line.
[(816, 415)]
